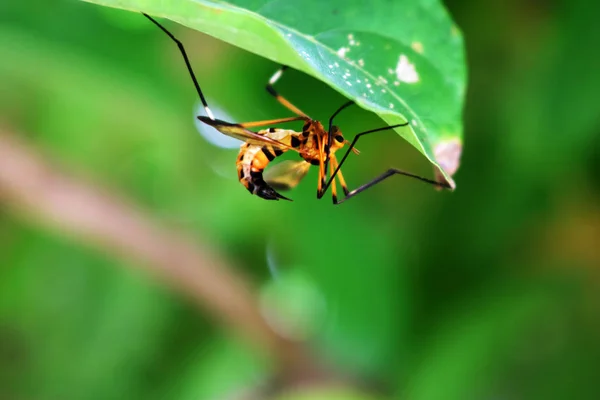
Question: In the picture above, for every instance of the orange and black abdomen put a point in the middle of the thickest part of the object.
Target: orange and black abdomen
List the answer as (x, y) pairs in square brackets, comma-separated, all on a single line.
[(253, 159)]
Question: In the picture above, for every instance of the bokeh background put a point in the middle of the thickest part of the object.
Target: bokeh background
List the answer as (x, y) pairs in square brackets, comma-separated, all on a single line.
[(490, 292)]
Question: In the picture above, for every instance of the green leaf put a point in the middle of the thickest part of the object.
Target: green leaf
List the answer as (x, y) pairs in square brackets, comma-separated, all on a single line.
[(403, 60)]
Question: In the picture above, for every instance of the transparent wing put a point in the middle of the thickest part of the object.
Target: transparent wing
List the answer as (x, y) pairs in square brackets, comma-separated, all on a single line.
[(243, 134), (286, 174)]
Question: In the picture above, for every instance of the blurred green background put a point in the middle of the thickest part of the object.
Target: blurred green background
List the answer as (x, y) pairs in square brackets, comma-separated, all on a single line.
[(490, 292)]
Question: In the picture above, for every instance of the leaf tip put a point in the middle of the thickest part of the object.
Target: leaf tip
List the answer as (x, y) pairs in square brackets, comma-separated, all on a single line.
[(447, 154)]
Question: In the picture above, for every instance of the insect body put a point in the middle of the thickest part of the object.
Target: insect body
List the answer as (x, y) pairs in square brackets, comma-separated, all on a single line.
[(314, 144), (253, 159), (311, 144)]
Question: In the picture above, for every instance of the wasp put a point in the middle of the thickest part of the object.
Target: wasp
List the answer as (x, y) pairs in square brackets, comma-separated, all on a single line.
[(315, 145)]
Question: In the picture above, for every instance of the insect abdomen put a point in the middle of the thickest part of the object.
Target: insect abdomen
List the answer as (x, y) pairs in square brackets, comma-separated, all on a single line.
[(253, 159)]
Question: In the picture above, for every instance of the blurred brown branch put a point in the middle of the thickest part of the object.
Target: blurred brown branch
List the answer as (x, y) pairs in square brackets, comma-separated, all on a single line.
[(89, 214)]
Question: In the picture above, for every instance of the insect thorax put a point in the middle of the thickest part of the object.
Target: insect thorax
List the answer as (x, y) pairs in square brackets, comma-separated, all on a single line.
[(313, 136)]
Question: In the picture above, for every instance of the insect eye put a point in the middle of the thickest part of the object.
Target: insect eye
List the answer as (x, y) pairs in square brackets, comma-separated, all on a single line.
[(339, 138)]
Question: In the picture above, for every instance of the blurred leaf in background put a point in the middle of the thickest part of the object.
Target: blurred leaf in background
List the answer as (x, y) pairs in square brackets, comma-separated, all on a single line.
[(487, 292)]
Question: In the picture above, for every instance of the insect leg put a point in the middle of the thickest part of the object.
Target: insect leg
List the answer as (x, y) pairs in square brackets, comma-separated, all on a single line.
[(329, 135), (326, 186), (271, 89), (339, 176), (333, 188), (322, 175), (187, 63), (388, 173)]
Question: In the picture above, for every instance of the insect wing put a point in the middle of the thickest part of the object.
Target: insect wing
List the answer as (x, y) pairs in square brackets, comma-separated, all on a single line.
[(286, 174), (243, 134)]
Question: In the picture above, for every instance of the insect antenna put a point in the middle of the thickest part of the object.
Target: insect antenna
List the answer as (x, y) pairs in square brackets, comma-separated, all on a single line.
[(187, 63)]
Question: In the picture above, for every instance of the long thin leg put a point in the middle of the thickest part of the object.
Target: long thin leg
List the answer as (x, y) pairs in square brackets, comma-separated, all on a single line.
[(187, 63), (322, 175), (329, 135), (340, 176), (385, 175), (385, 128), (271, 89), (333, 188)]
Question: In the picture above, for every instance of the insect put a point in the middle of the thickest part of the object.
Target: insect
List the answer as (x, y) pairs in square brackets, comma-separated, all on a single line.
[(315, 145)]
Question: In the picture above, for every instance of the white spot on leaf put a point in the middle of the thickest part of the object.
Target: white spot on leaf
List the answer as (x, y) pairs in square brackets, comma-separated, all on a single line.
[(342, 51), (405, 70), (381, 81), (417, 46)]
